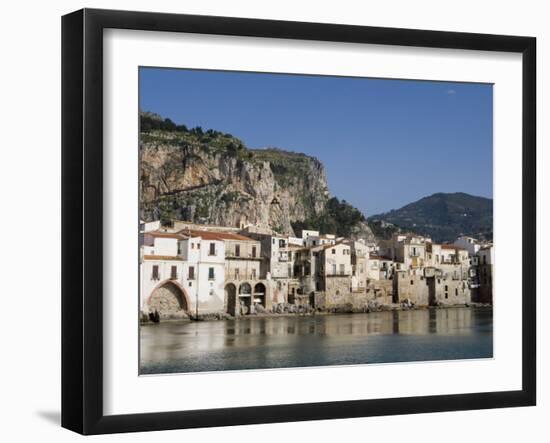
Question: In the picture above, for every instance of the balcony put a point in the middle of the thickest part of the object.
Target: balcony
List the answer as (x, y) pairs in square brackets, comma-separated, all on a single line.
[(337, 274), (243, 276), (249, 256)]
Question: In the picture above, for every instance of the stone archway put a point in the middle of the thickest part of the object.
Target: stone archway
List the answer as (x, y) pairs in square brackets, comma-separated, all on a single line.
[(259, 294), (231, 299), (245, 297), (169, 300)]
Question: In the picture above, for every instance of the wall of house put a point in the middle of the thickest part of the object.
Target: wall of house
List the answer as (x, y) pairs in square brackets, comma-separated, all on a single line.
[(411, 287)]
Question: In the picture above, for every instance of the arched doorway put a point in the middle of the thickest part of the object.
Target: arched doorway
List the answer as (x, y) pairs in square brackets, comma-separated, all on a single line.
[(245, 297), (259, 294), (169, 300), (231, 299)]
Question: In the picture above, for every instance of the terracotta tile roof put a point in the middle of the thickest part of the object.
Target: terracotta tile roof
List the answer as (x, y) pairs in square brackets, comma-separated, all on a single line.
[(214, 235), (162, 234), (162, 257), (446, 246)]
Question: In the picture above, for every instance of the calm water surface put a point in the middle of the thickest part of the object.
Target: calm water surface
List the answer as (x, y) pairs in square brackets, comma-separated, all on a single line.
[(283, 342)]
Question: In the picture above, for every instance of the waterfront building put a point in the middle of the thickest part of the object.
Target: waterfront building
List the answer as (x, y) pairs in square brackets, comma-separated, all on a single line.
[(381, 268), (161, 271), (204, 269), (181, 274), (245, 286), (359, 262), (335, 273), (277, 265)]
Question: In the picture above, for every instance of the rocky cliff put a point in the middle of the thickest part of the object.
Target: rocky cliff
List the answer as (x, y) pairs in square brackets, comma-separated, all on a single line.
[(211, 177)]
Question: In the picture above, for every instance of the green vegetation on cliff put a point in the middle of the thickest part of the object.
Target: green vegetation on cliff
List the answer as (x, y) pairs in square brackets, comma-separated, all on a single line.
[(339, 217)]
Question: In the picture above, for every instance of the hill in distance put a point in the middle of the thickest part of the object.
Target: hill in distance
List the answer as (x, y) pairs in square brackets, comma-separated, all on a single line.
[(442, 216)]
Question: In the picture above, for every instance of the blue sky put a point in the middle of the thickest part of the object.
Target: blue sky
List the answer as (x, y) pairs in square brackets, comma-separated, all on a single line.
[(384, 143)]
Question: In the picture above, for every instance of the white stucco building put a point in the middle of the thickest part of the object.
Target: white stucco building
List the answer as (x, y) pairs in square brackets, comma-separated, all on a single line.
[(181, 274), (468, 243)]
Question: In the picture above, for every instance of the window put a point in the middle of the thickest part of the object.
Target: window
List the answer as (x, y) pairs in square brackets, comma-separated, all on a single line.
[(174, 273), (254, 251), (342, 269), (334, 251), (191, 273), (155, 273), (179, 248), (412, 282), (237, 250), (198, 245), (212, 249), (192, 245), (456, 291), (333, 269), (289, 255), (210, 273), (236, 273), (281, 244), (254, 273), (446, 288), (273, 241)]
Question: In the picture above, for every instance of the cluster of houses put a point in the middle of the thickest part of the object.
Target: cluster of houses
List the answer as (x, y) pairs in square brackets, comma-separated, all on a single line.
[(197, 270)]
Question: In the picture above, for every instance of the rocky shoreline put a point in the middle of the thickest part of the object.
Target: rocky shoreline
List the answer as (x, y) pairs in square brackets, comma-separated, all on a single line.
[(287, 310)]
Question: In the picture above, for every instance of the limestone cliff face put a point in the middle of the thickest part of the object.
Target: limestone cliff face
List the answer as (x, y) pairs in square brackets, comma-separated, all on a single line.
[(210, 177), (267, 188)]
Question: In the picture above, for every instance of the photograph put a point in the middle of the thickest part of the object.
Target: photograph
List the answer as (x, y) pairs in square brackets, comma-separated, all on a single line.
[(290, 220)]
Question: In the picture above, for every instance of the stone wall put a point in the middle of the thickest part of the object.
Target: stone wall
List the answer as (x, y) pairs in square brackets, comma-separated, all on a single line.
[(452, 292), (412, 288)]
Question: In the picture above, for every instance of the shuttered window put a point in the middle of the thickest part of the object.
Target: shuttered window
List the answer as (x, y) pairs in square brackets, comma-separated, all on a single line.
[(155, 274), (191, 273)]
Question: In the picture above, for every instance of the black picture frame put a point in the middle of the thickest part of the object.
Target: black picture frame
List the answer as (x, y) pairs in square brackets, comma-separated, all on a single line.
[(82, 189)]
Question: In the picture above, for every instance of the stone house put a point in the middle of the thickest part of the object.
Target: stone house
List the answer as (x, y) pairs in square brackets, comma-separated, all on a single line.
[(381, 268), (335, 273), (307, 265), (181, 274), (244, 285), (277, 265), (359, 261)]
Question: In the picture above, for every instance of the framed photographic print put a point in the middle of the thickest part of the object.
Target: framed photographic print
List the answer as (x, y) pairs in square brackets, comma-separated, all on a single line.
[(269, 221)]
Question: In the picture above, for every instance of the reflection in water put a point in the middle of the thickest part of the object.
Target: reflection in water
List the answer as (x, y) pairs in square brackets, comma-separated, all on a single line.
[(275, 342)]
